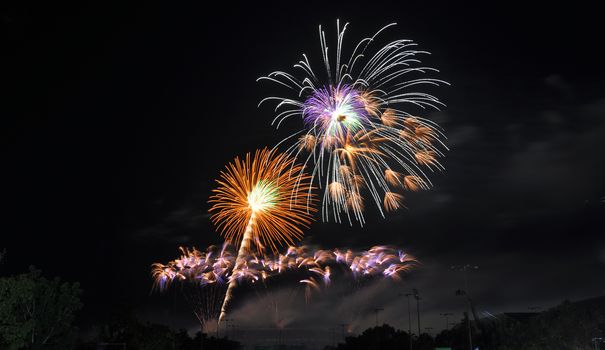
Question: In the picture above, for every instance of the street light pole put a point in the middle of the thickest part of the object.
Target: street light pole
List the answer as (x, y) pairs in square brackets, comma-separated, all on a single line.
[(464, 268), (376, 311), (596, 341), (417, 297), (470, 334), (408, 295)]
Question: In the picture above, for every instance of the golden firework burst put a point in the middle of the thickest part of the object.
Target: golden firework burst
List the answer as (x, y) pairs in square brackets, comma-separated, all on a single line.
[(265, 199), (266, 193)]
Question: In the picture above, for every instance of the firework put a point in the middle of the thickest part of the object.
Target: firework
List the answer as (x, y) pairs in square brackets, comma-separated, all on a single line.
[(217, 266), (202, 276), (262, 200), (359, 137)]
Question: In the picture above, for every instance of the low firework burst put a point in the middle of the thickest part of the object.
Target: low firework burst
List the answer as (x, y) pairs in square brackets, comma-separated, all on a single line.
[(216, 264), (205, 273), (263, 200), (358, 136), (202, 277)]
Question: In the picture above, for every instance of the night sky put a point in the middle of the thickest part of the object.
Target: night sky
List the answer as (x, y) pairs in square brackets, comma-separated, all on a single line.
[(117, 119)]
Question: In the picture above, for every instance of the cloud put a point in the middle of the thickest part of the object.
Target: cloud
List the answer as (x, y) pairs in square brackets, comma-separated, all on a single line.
[(558, 83), (462, 134), (564, 167), (176, 226)]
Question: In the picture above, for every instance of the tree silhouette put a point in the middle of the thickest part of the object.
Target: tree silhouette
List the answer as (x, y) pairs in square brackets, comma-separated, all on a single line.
[(36, 312)]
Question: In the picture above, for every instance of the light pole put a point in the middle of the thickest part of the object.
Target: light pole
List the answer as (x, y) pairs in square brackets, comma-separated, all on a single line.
[(447, 320), (408, 295), (468, 324), (376, 311), (596, 341), (464, 268), (417, 297)]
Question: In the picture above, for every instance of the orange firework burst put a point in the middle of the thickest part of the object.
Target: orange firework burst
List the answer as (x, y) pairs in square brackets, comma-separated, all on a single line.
[(263, 199), (268, 194)]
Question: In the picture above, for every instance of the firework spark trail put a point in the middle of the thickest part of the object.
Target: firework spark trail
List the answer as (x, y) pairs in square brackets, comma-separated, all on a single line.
[(239, 262), (357, 136), (262, 200)]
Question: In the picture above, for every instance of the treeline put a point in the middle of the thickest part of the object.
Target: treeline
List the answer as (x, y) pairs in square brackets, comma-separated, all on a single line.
[(565, 327), (39, 313), (124, 330)]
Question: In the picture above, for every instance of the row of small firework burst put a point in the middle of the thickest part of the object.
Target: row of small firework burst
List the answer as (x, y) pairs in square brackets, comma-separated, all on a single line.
[(216, 265), (356, 143)]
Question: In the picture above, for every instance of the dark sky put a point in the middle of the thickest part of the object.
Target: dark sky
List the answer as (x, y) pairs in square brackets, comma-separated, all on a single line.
[(116, 120)]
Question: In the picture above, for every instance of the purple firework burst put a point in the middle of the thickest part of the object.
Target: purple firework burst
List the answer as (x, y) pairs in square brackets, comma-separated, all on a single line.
[(335, 110)]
